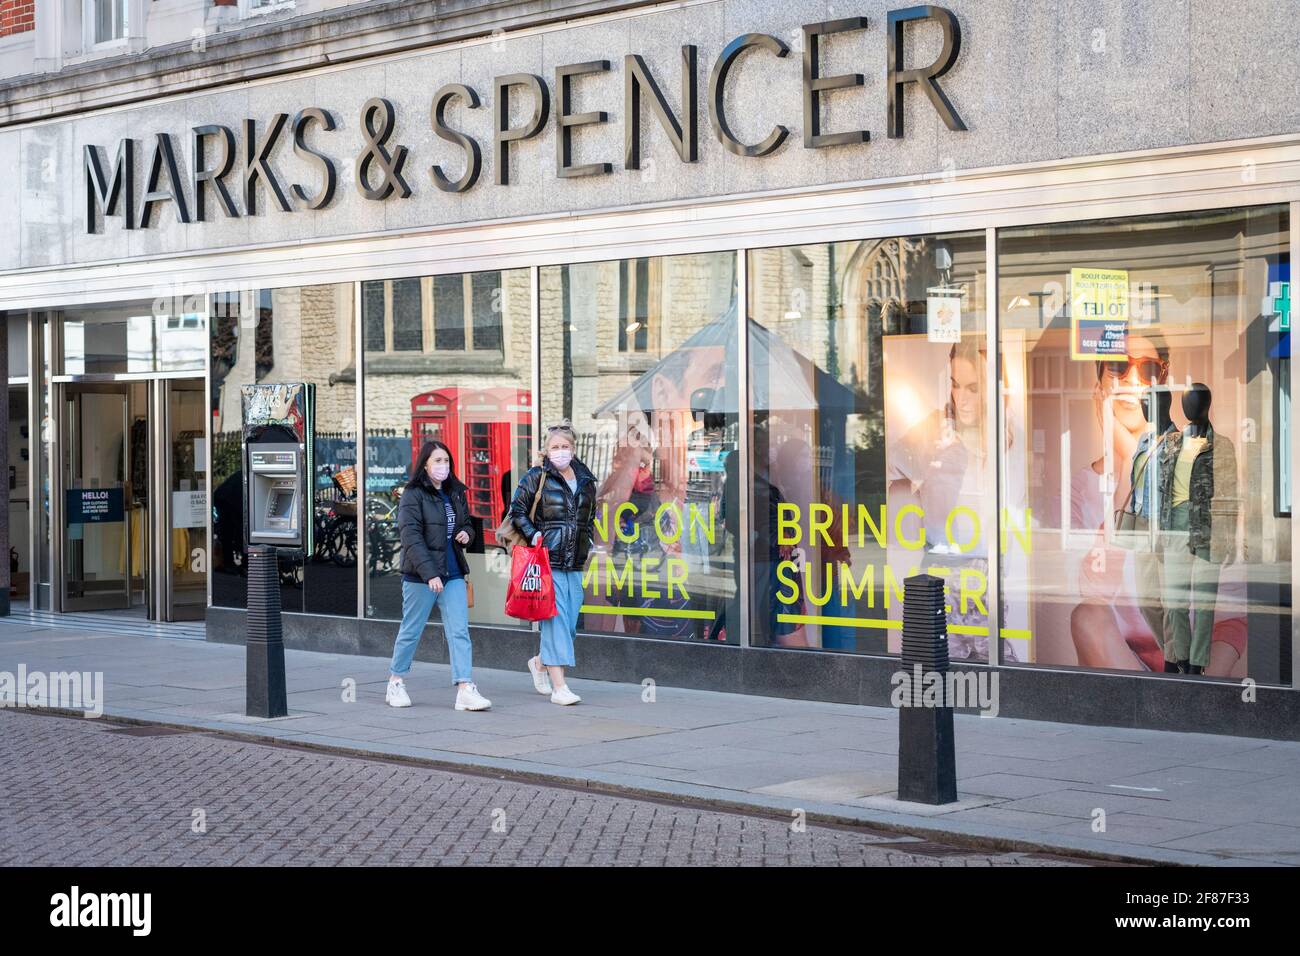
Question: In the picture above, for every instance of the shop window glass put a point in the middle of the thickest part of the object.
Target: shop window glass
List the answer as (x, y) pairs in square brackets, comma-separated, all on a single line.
[(486, 310), (642, 356), (479, 404), (373, 316), (408, 316), (1146, 366), (871, 444), (449, 313), (17, 324), (168, 334), (295, 334)]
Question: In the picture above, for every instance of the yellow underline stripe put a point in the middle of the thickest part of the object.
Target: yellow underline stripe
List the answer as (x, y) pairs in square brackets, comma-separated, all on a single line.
[(974, 630), (647, 611), (838, 621)]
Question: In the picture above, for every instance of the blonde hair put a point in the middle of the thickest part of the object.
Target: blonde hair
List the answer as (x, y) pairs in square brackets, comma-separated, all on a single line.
[(563, 428)]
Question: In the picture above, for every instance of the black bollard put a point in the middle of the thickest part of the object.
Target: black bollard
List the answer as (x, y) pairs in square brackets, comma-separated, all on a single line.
[(266, 695), (927, 763)]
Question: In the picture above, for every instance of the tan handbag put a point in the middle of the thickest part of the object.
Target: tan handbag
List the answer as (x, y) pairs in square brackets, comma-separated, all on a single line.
[(507, 534), (469, 593), (1132, 530)]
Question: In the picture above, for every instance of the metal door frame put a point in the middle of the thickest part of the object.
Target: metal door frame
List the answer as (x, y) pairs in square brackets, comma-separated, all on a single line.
[(163, 606), (59, 487)]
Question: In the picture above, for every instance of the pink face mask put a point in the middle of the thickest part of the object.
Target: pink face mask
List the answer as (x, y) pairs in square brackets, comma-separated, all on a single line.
[(440, 472), (561, 459)]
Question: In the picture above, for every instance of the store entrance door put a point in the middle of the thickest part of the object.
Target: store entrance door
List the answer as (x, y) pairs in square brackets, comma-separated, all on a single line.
[(182, 512), (132, 488), (103, 469)]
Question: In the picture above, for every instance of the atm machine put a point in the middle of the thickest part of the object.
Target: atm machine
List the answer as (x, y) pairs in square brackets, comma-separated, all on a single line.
[(277, 485), (278, 513), (278, 470)]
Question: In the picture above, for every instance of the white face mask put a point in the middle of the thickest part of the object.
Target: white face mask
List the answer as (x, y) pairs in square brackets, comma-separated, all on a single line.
[(561, 458), (439, 472)]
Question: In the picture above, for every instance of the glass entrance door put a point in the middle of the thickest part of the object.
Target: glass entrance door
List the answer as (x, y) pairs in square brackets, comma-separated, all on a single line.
[(182, 536), (104, 494)]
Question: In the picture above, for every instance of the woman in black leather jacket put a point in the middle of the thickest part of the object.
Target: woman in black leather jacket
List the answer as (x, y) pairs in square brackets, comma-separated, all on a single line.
[(434, 522), (562, 522)]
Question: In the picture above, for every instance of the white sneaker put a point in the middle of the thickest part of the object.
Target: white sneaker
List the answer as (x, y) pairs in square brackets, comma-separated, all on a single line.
[(564, 697), (541, 679), (396, 695), (468, 698)]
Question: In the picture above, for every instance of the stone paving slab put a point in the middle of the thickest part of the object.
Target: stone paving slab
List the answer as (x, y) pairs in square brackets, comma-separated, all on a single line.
[(1168, 797)]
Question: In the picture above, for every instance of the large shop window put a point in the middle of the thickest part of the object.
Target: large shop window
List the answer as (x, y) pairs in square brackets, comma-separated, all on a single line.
[(296, 334), (447, 358), (1147, 480), (641, 355), (168, 334), (871, 443)]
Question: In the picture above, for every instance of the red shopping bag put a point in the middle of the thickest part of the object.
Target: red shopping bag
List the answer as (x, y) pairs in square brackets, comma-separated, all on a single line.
[(531, 595)]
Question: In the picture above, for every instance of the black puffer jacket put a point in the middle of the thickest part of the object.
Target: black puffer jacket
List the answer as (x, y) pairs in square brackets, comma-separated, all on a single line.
[(422, 523), (563, 518)]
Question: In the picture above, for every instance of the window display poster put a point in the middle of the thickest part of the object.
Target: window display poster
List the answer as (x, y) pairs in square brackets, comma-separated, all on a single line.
[(190, 509), (1098, 314), (943, 315), (940, 481)]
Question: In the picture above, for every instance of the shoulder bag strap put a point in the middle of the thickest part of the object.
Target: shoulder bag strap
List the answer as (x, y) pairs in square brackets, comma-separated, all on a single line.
[(532, 512), (1133, 487)]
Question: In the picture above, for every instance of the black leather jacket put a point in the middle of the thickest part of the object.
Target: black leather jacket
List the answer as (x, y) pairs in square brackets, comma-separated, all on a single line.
[(422, 524), (563, 518)]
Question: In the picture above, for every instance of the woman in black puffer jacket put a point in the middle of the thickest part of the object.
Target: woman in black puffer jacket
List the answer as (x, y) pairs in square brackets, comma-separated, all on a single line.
[(433, 520), (562, 522)]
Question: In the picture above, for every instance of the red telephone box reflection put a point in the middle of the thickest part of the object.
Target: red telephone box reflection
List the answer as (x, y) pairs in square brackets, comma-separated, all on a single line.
[(486, 429)]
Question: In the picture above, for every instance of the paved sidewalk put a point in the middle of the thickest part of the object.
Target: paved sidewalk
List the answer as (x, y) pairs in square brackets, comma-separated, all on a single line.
[(1178, 798), (131, 795)]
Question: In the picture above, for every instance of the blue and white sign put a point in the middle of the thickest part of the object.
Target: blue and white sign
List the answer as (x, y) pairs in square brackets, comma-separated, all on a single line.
[(94, 505)]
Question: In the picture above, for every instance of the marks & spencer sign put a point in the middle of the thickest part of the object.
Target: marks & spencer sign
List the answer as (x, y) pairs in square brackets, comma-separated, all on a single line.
[(232, 172)]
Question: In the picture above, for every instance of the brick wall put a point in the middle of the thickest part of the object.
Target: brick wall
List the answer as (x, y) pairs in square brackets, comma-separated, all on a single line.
[(17, 16)]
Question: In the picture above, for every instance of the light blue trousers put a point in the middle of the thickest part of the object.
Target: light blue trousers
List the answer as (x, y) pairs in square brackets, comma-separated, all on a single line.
[(418, 601), (558, 631)]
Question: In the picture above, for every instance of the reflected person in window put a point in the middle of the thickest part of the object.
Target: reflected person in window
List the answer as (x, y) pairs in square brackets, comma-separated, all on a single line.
[(943, 462), (1108, 626)]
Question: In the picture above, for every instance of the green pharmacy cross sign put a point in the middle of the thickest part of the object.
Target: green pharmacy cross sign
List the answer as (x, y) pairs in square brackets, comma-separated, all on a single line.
[(1278, 302)]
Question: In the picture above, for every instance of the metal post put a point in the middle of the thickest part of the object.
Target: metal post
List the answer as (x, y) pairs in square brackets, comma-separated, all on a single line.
[(745, 458), (363, 524), (1294, 451), (927, 765), (4, 457), (265, 692), (535, 379), (995, 446)]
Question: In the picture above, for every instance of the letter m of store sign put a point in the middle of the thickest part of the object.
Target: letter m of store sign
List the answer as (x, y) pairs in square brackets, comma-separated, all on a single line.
[(106, 193)]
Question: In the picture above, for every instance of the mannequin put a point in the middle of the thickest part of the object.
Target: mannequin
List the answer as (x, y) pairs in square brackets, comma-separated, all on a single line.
[(1144, 473), (1196, 406), (1198, 473)]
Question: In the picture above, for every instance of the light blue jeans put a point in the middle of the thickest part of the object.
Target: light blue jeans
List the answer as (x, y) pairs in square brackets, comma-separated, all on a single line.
[(558, 631), (418, 601)]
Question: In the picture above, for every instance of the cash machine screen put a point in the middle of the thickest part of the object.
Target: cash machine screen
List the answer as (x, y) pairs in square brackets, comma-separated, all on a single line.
[(280, 500), (281, 505)]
